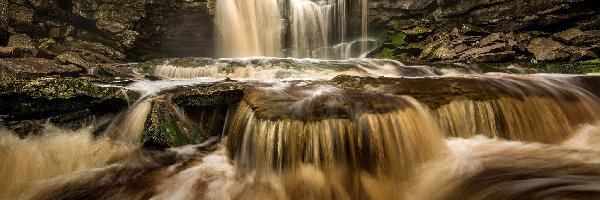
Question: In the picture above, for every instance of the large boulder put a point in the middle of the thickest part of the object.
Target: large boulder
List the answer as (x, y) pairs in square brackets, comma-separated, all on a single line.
[(66, 98), (210, 96)]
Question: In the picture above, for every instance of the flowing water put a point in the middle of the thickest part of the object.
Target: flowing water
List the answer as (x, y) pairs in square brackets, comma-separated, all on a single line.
[(297, 28), (324, 129)]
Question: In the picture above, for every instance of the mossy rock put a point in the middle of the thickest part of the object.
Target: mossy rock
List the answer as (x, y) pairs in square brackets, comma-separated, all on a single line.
[(591, 67), (213, 95), (164, 128), (42, 98)]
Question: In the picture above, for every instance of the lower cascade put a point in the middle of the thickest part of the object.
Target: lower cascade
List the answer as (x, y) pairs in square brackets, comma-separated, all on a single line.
[(353, 129)]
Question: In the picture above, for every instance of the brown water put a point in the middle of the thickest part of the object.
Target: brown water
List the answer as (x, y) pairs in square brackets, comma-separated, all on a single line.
[(296, 28), (306, 139)]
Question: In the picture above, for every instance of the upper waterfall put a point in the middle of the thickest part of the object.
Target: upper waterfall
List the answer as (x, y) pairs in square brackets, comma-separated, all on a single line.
[(290, 28)]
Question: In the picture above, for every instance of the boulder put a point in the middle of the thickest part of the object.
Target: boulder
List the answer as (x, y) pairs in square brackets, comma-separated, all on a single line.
[(571, 36), (72, 58), (45, 98), (165, 128), (31, 68), (209, 96), (546, 50), (23, 46)]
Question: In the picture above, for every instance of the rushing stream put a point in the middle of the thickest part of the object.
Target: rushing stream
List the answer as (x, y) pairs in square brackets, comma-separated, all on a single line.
[(308, 128)]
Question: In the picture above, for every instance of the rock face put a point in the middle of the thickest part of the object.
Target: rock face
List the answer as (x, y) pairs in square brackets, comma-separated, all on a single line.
[(488, 30), (117, 30)]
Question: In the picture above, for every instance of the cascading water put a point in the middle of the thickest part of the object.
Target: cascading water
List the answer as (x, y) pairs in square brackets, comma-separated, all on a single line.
[(303, 128), (316, 29), (249, 28)]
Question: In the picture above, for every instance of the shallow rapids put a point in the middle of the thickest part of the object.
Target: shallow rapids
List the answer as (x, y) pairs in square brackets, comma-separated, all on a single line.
[(416, 133), (474, 168)]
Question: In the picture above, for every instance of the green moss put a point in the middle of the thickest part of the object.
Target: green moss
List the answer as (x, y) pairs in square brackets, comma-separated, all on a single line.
[(591, 67), (386, 54), (535, 33), (399, 39), (163, 128)]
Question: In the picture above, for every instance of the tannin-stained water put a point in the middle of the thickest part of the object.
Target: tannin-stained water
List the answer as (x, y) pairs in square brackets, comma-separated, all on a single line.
[(350, 137), (296, 28), (528, 108)]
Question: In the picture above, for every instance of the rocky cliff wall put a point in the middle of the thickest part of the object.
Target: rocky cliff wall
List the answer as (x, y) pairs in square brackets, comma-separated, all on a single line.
[(487, 30), (105, 31)]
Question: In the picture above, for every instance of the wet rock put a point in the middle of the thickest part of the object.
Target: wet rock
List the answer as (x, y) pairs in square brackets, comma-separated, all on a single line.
[(23, 46), (433, 92), (164, 128), (114, 71), (26, 128), (546, 50), (506, 56), (571, 36), (30, 68), (214, 95), (43, 98)]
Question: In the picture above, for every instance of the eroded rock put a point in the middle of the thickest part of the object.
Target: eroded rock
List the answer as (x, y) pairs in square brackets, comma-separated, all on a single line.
[(30, 68)]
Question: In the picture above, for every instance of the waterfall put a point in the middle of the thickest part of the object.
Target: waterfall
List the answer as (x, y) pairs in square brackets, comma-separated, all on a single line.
[(296, 28), (249, 28)]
